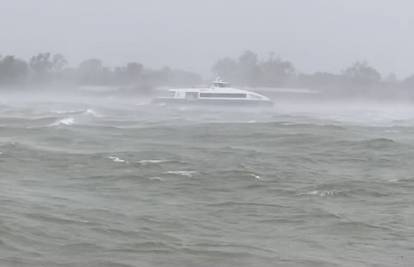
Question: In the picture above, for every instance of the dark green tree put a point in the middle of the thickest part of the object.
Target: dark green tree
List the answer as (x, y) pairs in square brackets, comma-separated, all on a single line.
[(362, 75), (408, 82), (41, 65), (226, 69), (47, 67), (276, 72), (248, 70), (13, 70), (91, 72), (59, 62)]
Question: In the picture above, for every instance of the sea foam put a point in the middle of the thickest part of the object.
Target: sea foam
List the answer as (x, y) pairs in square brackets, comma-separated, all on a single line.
[(65, 121)]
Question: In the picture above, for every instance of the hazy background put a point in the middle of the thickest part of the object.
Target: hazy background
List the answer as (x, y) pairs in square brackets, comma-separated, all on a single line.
[(317, 35)]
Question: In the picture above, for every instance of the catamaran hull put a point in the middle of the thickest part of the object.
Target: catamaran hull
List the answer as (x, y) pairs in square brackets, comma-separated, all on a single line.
[(213, 103)]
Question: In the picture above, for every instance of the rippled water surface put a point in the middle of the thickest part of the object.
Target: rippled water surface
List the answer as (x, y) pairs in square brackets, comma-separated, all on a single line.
[(125, 185)]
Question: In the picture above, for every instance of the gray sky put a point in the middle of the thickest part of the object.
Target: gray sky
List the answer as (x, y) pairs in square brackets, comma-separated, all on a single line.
[(316, 35)]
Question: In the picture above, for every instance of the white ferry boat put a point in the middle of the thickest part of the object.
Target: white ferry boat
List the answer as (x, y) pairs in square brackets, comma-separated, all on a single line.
[(219, 94)]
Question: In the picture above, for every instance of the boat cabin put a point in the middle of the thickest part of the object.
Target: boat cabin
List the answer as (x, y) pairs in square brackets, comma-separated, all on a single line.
[(219, 93)]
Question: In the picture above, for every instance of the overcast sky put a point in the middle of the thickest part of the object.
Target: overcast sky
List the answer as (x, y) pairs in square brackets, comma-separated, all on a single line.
[(316, 35)]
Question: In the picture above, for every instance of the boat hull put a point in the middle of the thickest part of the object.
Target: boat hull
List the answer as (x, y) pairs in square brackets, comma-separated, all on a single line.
[(228, 103)]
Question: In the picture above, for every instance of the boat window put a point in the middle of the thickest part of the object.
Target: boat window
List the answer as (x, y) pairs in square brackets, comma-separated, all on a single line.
[(222, 95), (191, 95), (172, 93)]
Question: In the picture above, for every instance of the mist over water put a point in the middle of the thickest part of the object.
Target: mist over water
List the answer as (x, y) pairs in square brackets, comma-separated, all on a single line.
[(114, 181)]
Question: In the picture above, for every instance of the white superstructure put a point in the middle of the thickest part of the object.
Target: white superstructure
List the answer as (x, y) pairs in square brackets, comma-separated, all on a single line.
[(220, 93)]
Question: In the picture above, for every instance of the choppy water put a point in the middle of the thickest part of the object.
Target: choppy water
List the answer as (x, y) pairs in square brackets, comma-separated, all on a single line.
[(124, 185)]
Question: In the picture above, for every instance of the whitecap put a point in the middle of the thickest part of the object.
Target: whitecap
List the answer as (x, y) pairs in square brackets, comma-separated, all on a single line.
[(66, 121), (92, 112), (74, 111), (182, 173), (152, 161), (255, 176), (117, 160)]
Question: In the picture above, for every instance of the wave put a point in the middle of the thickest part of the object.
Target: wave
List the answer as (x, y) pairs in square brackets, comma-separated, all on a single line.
[(152, 161), (182, 173), (351, 190), (145, 162), (257, 177), (93, 113), (379, 142), (322, 193), (68, 112), (63, 122), (156, 178), (372, 144), (117, 160)]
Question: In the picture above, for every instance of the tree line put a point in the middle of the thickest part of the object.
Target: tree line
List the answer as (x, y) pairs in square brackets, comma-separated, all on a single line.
[(249, 70), (47, 68), (246, 70)]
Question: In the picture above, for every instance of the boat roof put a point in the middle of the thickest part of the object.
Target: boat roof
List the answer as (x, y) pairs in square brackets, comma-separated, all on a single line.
[(224, 90)]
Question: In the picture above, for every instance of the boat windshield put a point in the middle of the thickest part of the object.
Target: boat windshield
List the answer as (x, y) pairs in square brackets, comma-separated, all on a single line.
[(220, 84)]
